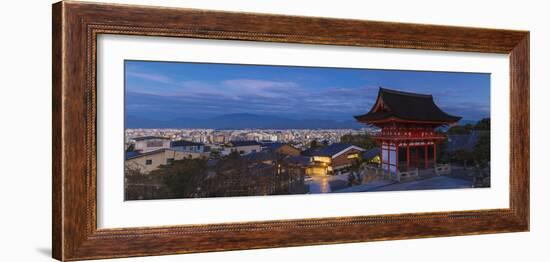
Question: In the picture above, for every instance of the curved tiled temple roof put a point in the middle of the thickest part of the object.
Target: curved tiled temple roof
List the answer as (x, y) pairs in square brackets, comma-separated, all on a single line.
[(405, 106)]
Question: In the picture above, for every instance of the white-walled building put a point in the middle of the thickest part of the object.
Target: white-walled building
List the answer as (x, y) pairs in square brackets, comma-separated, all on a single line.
[(151, 160), (150, 143), (242, 147)]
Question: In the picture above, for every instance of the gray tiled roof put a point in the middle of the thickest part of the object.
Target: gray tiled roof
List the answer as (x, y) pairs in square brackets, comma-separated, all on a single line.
[(329, 150), (407, 106), (185, 143), (244, 143)]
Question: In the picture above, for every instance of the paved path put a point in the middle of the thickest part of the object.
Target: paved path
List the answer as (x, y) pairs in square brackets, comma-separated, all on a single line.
[(339, 184), (438, 182), (319, 185), (327, 184)]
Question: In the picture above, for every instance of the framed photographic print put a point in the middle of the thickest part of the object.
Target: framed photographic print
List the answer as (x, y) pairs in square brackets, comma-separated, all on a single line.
[(182, 130)]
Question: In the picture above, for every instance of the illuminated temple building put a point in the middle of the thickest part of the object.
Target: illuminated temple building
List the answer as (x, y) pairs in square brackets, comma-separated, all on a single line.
[(407, 121)]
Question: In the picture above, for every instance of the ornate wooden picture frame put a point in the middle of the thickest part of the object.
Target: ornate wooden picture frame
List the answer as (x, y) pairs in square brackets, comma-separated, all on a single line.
[(76, 26)]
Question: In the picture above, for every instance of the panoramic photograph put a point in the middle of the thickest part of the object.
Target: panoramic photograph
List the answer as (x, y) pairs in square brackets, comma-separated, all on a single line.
[(200, 130)]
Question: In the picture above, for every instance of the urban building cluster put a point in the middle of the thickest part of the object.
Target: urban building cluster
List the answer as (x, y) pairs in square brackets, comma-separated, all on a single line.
[(300, 138), (156, 147), (245, 167)]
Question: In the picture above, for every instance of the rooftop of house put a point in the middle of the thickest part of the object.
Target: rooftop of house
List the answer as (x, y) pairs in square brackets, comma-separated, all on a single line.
[(260, 156), (299, 160), (135, 154), (185, 143), (330, 150), (149, 138), (244, 143), (371, 153), (131, 154), (405, 106), (274, 145)]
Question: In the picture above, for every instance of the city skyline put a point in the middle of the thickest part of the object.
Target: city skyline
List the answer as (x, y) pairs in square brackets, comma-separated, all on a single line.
[(164, 91)]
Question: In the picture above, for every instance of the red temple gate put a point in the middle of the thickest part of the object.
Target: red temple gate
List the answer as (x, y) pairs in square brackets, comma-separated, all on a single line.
[(407, 121)]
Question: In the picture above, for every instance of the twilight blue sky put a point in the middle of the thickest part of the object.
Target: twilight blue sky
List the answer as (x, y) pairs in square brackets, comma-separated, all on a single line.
[(169, 90)]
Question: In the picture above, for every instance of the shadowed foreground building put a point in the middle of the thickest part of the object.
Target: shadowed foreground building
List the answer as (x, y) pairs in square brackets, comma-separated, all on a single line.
[(407, 122)]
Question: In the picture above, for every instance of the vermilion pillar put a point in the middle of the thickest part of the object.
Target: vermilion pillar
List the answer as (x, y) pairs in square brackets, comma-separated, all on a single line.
[(425, 156), (396, 157), (388, 158), (416, 157), (435, 158), (408, 157)]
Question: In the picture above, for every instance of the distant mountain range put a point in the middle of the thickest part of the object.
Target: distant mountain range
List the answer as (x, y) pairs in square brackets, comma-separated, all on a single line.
[(241, 121)]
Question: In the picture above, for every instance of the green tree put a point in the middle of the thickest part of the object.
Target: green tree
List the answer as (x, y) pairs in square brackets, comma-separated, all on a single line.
[(131, 148), (463, 156), (232, 177), (314, 144), (139, 185), (132, 170), (183, 177), (460, 130), (442, 154), (355, 168), (361, 140), (483, 124), (215, 154), (482, 150)]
